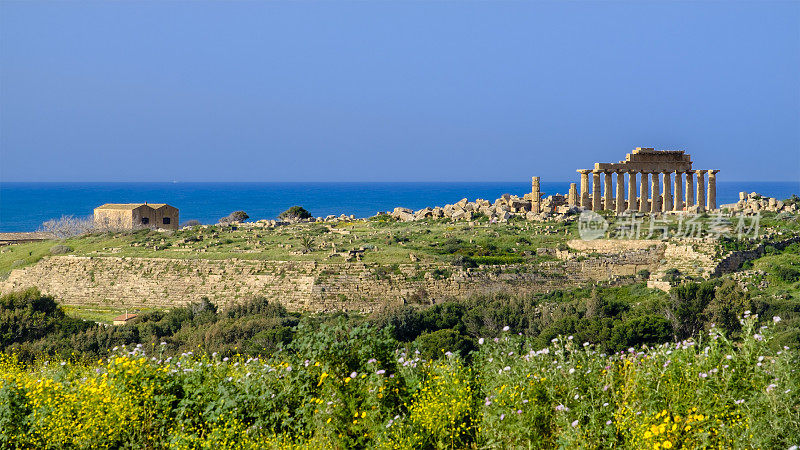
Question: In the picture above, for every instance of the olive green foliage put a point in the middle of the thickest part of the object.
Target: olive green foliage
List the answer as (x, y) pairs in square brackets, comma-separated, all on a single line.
[(432, 345), (295, 213), (340, 386), (33, 324), (236, 216), (60, 249), (614, 318), (729, 303), (687, 307), (484, 252)]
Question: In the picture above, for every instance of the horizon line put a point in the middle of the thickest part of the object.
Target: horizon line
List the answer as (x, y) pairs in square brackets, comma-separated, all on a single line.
[(343, 181)]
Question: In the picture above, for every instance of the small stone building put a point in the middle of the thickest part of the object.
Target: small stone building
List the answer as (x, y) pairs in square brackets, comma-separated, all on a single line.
[(128, 216), (123, 319)]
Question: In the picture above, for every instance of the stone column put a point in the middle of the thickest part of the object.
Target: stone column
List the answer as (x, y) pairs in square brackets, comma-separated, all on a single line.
[(712, 190), (596, 206), (644, 192), (536, 195), (572, 197), (655, 202), (620, 191), (667, 203), (632, 190), (689, 189), (585, 203), (701, 190), (608, 199), (678, 191)]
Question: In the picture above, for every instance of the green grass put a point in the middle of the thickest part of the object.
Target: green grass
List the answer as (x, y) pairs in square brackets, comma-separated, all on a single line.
[(101, 314), (20, 255), (782, 276), (385, 243)]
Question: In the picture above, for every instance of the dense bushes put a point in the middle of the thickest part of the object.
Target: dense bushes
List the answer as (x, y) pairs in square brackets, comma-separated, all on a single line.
[(787, 274), (612, 318), (338, 386), (433, 345), (32, 324)]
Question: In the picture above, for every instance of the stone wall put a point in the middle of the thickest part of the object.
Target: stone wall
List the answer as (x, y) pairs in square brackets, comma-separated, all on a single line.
[(613, 245), (303, 286), (693, 257), (734, 260)]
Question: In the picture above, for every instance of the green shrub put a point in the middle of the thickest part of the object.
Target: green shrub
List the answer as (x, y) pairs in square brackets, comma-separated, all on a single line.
[(439, 274), (295, 213), (60, 249), (435, 344), (236, 216), (787, 274), (688, 302), (639, 331), (464, 261), (729, 303), (671, 275)]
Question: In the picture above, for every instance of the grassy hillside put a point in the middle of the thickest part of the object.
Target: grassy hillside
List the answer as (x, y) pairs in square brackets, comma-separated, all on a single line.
[(384, 242)]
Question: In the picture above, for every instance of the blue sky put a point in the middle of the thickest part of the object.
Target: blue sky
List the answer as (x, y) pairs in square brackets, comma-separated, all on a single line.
[(393, 91)]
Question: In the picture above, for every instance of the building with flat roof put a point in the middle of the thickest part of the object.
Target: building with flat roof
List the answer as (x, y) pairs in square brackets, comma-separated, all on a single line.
[(129, 216)]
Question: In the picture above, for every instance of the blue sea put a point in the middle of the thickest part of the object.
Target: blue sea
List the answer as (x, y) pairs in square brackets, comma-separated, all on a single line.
[(24, 206)]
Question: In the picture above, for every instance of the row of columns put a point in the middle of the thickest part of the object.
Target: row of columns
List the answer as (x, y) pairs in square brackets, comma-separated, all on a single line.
[(706, 198)]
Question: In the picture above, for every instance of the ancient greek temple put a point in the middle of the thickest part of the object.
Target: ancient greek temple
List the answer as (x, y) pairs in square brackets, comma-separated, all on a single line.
[(655, 168)]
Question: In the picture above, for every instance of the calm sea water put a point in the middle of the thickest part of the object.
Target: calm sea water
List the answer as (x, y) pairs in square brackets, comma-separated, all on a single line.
[(24, 206)]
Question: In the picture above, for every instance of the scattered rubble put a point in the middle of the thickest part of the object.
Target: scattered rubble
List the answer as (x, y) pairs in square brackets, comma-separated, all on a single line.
[(553, 207), (753, 202)]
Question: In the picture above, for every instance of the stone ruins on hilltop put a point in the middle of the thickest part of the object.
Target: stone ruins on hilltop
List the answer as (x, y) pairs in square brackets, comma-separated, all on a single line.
[(658, 166), (655, 168)]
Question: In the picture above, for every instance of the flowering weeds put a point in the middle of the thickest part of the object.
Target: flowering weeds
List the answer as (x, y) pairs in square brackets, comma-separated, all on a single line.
[(336, 387)]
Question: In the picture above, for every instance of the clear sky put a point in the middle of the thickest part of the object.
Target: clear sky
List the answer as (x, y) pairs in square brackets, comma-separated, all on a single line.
[(393, 91)]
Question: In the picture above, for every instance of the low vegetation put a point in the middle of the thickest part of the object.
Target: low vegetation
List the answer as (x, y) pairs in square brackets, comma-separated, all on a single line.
[(711, 364), (612, 318), (336, 386), (384, 242), (383, 239)]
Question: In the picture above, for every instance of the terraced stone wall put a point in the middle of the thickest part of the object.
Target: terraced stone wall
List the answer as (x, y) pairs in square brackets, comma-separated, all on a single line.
[(302, 286)]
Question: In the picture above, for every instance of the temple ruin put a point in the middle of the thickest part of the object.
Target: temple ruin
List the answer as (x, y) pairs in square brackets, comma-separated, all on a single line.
[(658, 166)]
